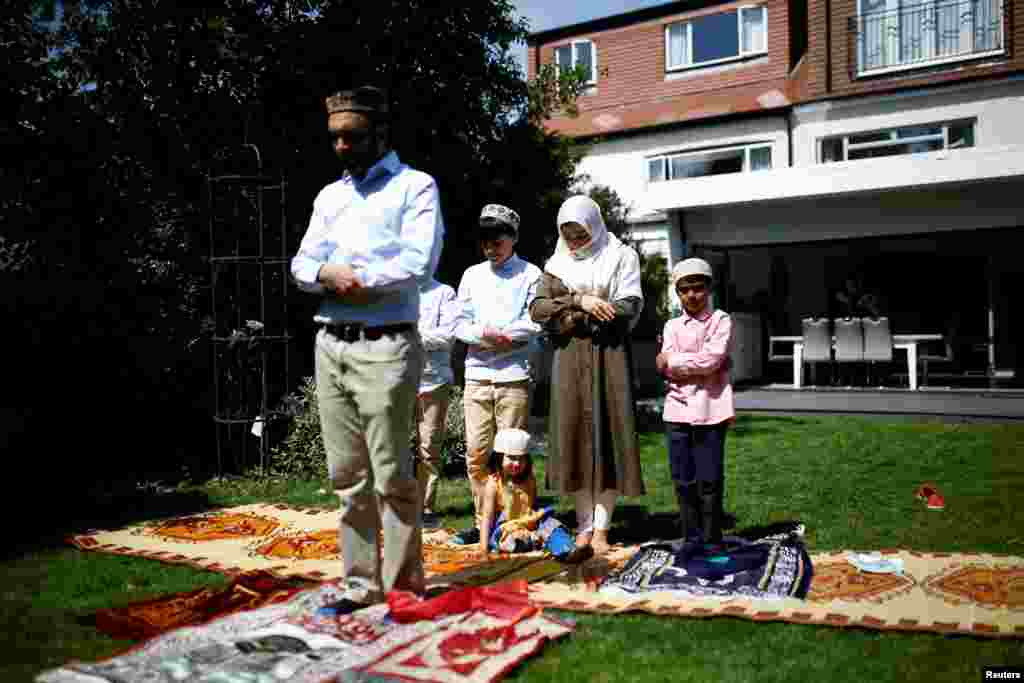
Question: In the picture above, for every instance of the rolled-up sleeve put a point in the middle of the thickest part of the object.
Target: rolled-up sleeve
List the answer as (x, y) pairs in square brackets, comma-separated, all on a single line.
[(419, 248)]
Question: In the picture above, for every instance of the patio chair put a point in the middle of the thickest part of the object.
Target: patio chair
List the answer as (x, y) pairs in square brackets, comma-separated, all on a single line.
[(877, 342), (933, 352), (849, 340), (774, 351), (817, 342)]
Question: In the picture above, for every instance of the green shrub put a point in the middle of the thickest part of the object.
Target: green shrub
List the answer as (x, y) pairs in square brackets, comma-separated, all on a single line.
[(302, 454), (453, 448)]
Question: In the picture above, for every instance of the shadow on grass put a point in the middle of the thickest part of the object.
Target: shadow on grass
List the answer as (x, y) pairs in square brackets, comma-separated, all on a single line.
[(634, 524), (458, 510), (763, 424), (649, 421), (454, 468), (49, 526)]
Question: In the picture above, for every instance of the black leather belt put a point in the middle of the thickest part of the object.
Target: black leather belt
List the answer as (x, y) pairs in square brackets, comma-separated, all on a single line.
[(353, 332)]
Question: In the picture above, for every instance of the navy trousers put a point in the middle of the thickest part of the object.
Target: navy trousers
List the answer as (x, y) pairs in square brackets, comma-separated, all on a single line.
[(696, 452)]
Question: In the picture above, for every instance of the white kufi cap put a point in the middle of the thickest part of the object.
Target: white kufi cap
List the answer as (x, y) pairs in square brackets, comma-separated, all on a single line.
[(690, 267), (512, 441)]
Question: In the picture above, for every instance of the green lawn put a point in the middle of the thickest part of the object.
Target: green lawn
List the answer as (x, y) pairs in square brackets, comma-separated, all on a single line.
[(850, 480)]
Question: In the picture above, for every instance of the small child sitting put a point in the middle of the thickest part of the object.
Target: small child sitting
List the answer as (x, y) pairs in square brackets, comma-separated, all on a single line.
[(509, 522)]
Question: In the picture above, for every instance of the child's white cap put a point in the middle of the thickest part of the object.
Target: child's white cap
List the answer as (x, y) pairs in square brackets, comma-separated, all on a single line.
[(512, 441), (690, 267)]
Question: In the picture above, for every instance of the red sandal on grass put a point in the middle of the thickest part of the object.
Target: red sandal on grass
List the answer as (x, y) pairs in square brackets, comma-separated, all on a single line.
[(931, 496)]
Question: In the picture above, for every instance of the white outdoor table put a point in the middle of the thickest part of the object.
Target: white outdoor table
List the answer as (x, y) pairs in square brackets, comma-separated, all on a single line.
[(907, 342)]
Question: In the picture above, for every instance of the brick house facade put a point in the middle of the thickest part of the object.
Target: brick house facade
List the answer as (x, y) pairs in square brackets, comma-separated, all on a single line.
[(889, 152), (832, 70), (634, 89)]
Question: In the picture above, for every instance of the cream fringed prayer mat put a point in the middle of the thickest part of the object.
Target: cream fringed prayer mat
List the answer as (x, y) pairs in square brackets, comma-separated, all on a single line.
[(283, 541), (975, 594)]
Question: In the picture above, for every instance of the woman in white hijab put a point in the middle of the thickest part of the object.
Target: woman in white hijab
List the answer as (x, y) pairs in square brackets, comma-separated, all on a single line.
[(588, 301)]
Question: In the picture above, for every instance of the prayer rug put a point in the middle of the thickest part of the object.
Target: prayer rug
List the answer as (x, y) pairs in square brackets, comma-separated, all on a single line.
[(148, 618), (974, 594), (151, 617), (774, 566), (284, 541), (471, 635)]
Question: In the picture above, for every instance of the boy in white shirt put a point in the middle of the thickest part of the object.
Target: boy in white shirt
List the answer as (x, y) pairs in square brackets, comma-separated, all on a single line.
[(495, 324)]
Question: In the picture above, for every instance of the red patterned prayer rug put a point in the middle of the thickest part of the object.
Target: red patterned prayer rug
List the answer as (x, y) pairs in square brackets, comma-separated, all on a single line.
[(148, 618), (473, 635), (975, 594)]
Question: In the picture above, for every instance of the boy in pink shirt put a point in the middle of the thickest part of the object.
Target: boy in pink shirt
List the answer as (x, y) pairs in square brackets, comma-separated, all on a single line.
[(699, 405)]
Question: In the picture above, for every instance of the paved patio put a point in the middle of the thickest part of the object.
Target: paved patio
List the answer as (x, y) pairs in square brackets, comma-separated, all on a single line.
[(937, 402), (928, 403)]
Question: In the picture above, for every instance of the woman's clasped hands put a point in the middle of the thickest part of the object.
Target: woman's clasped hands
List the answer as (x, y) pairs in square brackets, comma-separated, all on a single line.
[(597, 307)]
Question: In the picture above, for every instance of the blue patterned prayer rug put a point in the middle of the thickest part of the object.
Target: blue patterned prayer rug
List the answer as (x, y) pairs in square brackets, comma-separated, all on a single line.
[(770, 562)]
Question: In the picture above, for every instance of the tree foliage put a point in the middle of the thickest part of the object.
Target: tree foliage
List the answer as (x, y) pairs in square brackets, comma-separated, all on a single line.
[(653, 268), (117, 120)]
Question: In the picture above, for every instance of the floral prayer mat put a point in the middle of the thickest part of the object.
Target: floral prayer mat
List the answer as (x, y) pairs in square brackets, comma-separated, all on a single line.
[(148, 618), (471, 635), (974, 594), (771, 566), (284, 541)]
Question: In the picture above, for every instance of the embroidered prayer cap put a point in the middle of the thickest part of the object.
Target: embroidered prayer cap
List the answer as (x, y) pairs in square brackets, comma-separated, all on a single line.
[(498, 218), (365, 99), (512, 441), (690, 267)]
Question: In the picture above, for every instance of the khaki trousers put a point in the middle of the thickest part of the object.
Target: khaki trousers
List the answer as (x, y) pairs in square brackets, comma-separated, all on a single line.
[(490, 406), (431, 411), (367, 395)]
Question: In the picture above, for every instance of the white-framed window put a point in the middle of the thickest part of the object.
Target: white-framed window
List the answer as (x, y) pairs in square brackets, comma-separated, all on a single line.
[(893, 141), (578, 53), (707, 162), (899, 34), (716, 38)]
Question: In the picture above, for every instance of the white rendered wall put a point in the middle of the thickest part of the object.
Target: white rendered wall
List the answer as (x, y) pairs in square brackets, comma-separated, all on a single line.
[(621, 162), (897, 212), (998, 109), (652, 239)]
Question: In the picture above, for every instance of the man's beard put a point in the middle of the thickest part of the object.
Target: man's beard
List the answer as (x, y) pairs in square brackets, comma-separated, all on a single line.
[(357, 167)]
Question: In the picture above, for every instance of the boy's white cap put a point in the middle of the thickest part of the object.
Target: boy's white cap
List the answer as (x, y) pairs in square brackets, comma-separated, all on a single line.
[(512, 441), (689, 267)]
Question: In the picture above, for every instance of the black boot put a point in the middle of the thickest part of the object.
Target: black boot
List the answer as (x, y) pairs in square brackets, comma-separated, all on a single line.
[(724, 520), (689, 511), (711, 511), (683, 520)]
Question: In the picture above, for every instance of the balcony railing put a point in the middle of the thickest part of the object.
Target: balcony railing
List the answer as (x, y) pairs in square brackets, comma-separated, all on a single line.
[(923, 34)]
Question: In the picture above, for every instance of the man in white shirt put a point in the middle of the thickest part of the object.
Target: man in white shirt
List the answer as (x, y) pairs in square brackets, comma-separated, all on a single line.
[(439, 313), (496, 325), (374, 236)]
